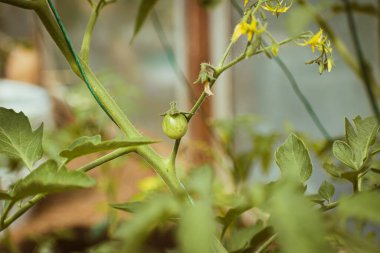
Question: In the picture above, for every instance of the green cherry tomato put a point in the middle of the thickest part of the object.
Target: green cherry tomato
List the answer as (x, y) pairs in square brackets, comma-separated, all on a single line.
[(174, 126)]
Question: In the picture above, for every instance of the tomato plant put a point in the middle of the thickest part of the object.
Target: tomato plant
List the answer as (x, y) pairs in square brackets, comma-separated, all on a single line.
[(280, 216)]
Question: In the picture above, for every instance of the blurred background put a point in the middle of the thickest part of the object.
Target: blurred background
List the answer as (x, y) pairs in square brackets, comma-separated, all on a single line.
[(161, 64)]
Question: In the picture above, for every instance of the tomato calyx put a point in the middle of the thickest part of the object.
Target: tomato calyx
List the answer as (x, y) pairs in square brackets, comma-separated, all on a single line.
[(175, 123), (174, 111)]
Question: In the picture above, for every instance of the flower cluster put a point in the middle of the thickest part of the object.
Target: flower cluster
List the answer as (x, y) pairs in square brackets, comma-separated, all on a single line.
[(320, 43), (251, 28)]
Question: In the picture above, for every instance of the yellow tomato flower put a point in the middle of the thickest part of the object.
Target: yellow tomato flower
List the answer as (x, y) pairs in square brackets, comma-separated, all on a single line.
[(317, 41), (248, 29), (278, 8), (245, 2)]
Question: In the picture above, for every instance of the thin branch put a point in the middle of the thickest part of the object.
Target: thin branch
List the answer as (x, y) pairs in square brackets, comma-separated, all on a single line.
[(87, 38), (307, 105), (363, 65), (106, 158), (86, 42), (226, 54)]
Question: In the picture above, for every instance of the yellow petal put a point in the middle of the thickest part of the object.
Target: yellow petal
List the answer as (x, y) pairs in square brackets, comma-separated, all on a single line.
[(237, 33), (245, 2), (276, 10), (317, 37), (250, 35)]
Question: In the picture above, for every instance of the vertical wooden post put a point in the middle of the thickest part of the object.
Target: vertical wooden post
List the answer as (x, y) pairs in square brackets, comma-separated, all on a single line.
[(197, 31)]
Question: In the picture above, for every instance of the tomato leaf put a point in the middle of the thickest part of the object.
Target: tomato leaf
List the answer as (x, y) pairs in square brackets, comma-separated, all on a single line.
[(363, 206), (191, 238), (344, 153), (299, 226), (150, 215), (240, 239), (326, 191), (145, 7), (293, 158), (359, 138), (47, 178), (333, 170), (17, 139), (362, 137)]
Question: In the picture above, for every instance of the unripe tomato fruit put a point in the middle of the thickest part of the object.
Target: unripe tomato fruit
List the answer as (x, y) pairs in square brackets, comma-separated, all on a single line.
[(174, 125)]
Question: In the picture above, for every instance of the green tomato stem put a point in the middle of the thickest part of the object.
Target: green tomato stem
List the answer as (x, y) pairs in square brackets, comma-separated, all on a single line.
[(6, 211), (85, 49), (86, 42), (161, 167), (21, 211), (226, 52), (106, 158), (173, 155)]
